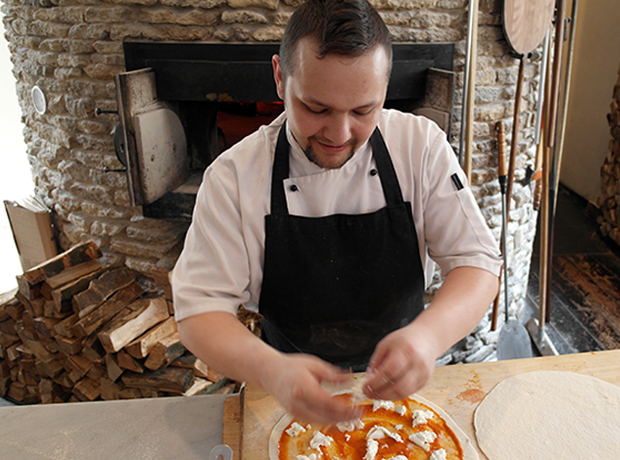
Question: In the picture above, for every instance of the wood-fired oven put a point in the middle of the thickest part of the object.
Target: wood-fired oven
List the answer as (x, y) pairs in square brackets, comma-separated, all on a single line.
[(181, 104)]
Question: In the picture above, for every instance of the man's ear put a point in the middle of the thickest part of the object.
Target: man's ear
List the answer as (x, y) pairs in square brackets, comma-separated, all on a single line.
[(277, 75)]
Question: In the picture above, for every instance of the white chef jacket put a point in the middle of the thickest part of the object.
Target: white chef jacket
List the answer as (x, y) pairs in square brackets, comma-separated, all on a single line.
[(221, 266)]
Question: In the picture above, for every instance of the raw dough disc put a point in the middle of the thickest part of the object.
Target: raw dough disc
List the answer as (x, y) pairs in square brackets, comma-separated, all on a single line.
[(469, 452), (550, 415)]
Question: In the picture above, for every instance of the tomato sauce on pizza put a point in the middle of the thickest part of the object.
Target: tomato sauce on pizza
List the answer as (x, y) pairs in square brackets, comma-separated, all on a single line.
[(398, 430)]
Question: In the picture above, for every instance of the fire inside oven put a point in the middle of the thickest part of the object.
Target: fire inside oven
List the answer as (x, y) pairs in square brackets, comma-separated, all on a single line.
[(182, 104)]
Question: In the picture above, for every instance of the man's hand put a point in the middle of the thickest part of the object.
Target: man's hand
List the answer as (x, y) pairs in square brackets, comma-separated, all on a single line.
[(402, 363), (296, 383), (404, 360)]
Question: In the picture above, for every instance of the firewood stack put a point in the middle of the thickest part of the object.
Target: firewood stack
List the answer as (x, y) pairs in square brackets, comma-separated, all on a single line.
[(609, 201), (75, 330)]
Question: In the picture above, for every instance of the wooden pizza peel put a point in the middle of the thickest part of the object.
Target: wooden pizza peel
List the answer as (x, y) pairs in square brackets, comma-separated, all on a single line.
[(525, 23)]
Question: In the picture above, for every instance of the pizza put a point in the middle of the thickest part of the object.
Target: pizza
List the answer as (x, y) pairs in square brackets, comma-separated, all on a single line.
[(407, 429)]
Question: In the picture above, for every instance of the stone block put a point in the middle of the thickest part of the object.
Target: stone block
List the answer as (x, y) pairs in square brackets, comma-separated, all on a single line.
[(204, 4), (190, 18), (67, 73), (108, 47), (132, 247), (56, 45), (243, 17), (106, 211), (107, 227), (93, 126), (268, 34), (268, 4), (115, 14), (91, 192), (73, 60), (89, 31), (156, 230), (80, 47), (103, 71)]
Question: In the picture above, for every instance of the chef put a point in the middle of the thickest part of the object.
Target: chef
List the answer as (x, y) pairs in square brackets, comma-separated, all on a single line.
[(329, 222)]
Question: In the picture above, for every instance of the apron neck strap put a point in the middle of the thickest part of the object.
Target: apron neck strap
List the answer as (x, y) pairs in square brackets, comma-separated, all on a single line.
[(385, 167)]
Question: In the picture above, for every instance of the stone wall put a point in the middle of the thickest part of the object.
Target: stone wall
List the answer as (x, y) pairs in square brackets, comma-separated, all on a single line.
[(72, 49)]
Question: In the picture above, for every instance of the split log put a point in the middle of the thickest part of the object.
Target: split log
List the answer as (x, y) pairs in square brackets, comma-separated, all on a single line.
[(62, 296), (172, 379), (67, 276), (165, 351), (126, 361), (141, 347), (107, 310), (132, 321), (189, 361), (87, 389), (114, 370), (84, 252), (102, 288), (200, 386)]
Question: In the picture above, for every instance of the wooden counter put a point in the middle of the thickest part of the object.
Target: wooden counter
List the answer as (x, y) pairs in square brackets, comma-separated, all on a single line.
[(458, 389)]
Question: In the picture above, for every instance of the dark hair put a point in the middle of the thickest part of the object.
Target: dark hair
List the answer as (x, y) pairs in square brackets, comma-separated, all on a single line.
[(345, 27)]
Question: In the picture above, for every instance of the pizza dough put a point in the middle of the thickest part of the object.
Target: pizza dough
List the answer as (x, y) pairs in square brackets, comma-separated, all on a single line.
[(469, 452), (550, 415)]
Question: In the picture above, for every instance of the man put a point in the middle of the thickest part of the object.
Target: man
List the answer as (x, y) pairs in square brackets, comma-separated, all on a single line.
[(325, 221)]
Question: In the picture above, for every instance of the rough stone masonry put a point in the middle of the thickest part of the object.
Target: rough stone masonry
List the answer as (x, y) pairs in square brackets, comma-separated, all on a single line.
[(73, 48)]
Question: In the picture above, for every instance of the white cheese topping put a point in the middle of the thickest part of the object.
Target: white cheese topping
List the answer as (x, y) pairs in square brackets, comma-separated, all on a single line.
[(439, 454), (420, 417), (379, 432), (399, 457), (295, 430), (309, 457), (401, 410), (381, 404), (372, 447), (424, 439), (350, 425), (319, 439)]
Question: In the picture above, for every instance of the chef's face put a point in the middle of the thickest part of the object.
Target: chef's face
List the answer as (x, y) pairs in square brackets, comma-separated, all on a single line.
[(333, 104)]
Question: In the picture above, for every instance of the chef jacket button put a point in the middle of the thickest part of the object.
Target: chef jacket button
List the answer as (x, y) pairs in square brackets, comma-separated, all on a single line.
[(294, 188), (373, 172)]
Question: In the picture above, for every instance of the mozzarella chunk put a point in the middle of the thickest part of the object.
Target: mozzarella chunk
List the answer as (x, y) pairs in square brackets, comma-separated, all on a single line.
[(424, 439), (439, 454), (295, 430), (372, 447), (319, 439), (420, 417), (350, 425), (309, 457), (379, 432), (381, 404)]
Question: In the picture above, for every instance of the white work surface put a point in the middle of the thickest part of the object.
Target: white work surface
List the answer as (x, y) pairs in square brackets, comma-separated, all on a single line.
[(183, 428)]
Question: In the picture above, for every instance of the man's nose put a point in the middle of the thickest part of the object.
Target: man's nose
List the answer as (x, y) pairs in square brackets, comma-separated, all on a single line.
[(338, 129)]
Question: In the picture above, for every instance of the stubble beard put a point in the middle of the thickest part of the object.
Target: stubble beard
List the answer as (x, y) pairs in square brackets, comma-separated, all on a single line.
[(320, 160)]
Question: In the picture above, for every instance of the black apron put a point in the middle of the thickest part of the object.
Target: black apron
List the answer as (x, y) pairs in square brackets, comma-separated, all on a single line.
[(334, 286)]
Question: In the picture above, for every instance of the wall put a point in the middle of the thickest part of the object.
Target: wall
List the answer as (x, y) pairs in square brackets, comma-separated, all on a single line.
[(72, 49), (594, 73)]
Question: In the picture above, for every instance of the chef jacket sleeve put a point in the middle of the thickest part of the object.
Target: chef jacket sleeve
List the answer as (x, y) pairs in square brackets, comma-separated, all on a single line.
[(212, 272), (455, 229)]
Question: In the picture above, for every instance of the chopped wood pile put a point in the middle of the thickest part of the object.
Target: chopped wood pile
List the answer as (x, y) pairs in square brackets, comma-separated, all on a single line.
[(75, 330), (609, 201)]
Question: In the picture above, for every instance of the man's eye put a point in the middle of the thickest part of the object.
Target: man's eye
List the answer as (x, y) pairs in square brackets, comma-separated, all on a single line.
[(317, 111), (363, 113)]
